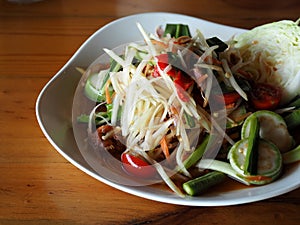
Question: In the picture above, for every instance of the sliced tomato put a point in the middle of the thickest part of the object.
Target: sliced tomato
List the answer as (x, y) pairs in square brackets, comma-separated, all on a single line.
[(265, 96), (182, 94), (163, 62), (229, 97), (172, 72), (137, 166), (182, 81)]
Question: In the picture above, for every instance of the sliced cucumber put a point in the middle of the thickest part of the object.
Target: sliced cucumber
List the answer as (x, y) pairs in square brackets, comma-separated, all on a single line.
[(272, 128), (269, 162)]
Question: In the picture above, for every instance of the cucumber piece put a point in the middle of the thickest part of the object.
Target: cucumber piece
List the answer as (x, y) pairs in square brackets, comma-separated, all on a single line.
[(250, 165), (203, 183), (272, 128), (269, 162)]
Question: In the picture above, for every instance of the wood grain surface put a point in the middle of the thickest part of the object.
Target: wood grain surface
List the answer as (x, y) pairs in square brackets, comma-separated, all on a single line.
[(37, 185)]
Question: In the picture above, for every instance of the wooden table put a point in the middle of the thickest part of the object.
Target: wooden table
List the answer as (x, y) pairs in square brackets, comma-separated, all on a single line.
[(37, 185)]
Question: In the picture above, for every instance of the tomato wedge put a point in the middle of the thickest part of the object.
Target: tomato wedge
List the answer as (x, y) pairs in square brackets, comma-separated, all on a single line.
[(229, 97), (181, 80), (137, 166), (265, 96)]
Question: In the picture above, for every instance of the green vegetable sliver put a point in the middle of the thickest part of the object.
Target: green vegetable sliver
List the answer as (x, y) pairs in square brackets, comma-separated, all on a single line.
[(223, 167), (291, 156), (250, 165), (177, 30), (203, 183), (293, 119), (197, 154)]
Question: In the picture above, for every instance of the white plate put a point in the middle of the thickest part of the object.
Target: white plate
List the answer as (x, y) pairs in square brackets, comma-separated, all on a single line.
[(54, 110)]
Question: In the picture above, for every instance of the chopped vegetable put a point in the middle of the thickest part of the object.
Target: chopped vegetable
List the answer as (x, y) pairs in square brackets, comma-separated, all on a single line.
[(197, 154), (229, 97), (251, 158), (222, 46), (177, 30), (265, 96), (136, 166), (232, 80), (293, 119), (92, 87), (269, 163), (96, 88), (237, 116), (271, 54), (272, 128), (292, 155), (164, 147), (295, 102), (203, 183), (223, 167)]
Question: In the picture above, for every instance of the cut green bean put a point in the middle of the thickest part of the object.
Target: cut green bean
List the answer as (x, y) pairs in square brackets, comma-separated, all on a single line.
[(250, 165), (203, 183), (197, 154)]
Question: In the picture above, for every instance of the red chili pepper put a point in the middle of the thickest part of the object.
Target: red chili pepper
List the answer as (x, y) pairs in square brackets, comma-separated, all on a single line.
[(265, 96), (137, 166)]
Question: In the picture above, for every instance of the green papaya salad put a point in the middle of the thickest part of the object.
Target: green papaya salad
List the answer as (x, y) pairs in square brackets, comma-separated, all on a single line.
[(153, 106)]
